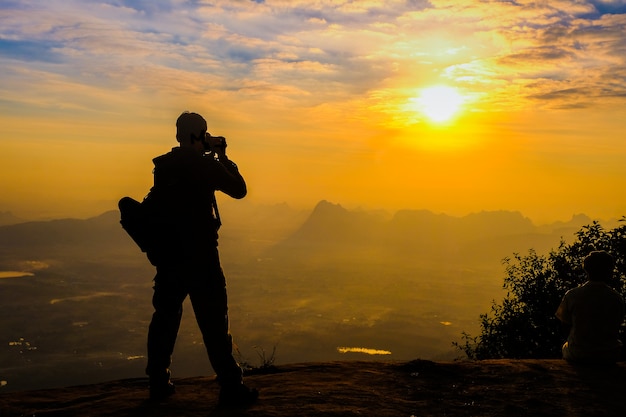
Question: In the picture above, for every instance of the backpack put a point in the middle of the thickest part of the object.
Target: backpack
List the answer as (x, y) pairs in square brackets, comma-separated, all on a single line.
[(140, 221), (134, 221)]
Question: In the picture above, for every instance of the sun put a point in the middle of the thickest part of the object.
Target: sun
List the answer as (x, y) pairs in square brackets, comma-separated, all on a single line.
[(439, 103)]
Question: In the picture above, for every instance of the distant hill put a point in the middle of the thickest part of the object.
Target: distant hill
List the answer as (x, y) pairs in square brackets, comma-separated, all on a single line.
[(329, 231), (334, 233), (7, 218), (69, 237), (245, 227), (332, 224)]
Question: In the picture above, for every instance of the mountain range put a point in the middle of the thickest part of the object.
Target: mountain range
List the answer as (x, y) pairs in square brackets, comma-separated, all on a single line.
[(258, 240), (329, 228), (335, 233)]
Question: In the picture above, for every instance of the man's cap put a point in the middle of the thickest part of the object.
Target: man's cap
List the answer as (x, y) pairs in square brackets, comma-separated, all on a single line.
[(189, 124)]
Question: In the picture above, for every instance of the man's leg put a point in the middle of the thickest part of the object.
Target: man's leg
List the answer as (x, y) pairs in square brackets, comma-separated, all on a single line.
[(167, 300), (211, 311), (210, 304)]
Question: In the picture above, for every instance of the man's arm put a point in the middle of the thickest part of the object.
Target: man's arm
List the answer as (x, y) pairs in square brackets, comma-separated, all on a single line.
[(563, 314), (236, 186), (227, 177)]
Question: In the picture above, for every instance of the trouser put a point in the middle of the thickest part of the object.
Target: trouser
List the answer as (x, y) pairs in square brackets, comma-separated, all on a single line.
[(205, 284)]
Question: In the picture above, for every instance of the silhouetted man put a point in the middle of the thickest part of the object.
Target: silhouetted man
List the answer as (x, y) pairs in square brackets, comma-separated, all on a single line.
[(186, 257), (593, 313)]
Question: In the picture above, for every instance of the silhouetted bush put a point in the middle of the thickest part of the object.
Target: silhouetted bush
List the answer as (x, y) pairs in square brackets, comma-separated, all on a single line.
[(523, 325)]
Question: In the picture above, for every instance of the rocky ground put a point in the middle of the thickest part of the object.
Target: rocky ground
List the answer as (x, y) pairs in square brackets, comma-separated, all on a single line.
[(419, 388)]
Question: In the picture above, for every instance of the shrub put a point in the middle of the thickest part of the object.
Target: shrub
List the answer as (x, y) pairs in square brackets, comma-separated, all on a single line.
[(523, 325)]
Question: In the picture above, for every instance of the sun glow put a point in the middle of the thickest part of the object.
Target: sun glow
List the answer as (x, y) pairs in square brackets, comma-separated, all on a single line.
[(439, 103)]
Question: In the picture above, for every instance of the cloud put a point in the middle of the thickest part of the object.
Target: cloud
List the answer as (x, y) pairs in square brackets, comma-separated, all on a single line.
[(546, 50), (319, 52), (287, 75)]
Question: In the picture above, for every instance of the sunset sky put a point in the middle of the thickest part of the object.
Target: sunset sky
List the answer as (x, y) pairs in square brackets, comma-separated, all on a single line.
[(320, 99)]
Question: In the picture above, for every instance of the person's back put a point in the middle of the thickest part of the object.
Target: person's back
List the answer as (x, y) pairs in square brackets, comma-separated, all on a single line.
[(594, 313), (184, 201), (182, 193)]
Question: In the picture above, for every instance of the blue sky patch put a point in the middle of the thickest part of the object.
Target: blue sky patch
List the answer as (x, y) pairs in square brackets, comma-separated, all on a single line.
[(29, 50)]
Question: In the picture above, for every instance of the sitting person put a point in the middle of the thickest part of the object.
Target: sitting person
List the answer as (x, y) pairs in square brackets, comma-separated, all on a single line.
[(593, 314)]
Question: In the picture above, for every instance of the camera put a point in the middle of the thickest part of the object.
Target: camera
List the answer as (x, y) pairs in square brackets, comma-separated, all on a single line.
[(214, 143)]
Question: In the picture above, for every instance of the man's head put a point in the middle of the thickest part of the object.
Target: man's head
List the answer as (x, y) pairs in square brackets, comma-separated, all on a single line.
[(190, 127), (599, 266)]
